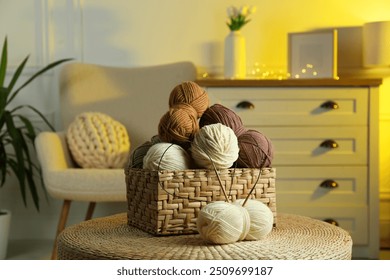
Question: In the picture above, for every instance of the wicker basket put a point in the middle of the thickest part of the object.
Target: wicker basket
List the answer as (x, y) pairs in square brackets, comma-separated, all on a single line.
[(168, 202)]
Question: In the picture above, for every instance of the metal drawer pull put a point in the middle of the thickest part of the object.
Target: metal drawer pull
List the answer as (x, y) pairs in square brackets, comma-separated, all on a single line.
[(329, 184), (332, 222), (330, 144), (330, 105), (245, 105)]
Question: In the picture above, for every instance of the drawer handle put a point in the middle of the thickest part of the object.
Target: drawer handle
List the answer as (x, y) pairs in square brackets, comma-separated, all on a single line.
[(330, 105), (245, 105), (330, 144), (329, 184), (332, 222)]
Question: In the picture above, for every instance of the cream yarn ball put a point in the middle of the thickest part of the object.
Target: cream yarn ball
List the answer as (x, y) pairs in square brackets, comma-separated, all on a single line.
[(96, 140), (166, 156), (220, 222), (261, 218), (215, 141)]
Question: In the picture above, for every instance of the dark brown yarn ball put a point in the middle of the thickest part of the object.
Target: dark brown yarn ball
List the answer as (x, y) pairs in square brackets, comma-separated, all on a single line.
[(218, 113), (256, 150), (190, 93), (137, 155), (179, 125)]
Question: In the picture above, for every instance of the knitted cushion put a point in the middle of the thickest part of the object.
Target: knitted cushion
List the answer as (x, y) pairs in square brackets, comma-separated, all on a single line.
[(96, 140)]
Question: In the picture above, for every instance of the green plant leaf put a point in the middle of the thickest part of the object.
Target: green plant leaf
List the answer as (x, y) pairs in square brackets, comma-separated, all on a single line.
[(3, 103), (33, 189), (3, 63), (16, 170), (18, 165), (16, 76), (43, 70), (23, 169), (37, 112), (17, 132), (28, 170), (30, 131), (13, 133), (3, 164)]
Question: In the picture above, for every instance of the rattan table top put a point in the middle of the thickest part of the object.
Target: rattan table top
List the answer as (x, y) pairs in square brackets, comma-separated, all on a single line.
[(295, 237)]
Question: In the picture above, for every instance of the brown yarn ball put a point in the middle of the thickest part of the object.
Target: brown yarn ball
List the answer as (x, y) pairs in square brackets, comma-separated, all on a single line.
[(179, 125), (256, 150), (190, 93), (218, 113)]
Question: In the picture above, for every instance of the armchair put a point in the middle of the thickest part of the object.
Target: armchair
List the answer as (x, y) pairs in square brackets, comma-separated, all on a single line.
[(136, 97)]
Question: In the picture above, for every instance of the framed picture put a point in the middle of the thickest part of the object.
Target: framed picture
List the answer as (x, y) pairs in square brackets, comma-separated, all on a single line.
[(313, 55)]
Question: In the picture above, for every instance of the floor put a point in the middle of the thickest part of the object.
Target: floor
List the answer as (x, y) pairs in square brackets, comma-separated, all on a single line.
[(41, 250), (29, 250)]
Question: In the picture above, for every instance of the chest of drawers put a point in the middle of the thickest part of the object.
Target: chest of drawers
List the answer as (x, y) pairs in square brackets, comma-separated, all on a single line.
[(325, 136)]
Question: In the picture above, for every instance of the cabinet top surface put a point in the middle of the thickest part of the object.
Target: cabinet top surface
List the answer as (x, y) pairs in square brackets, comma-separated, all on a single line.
[(342, 82)]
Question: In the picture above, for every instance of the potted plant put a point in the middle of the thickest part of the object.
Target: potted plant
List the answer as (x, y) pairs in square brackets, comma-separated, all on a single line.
[(17, 135)]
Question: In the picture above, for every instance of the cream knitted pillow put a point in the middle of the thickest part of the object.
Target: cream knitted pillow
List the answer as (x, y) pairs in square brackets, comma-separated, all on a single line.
[(96, 140)]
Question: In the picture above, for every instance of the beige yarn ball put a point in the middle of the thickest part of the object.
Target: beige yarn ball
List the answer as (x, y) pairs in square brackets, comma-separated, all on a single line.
[(166, 156), (261, 218), (221, 223), (96, 140), (215, 143)]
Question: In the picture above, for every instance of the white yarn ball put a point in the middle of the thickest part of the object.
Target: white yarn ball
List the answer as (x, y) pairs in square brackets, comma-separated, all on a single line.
[(96, 140), (221, 223), (215, 141), (261, 218), (166, 156)]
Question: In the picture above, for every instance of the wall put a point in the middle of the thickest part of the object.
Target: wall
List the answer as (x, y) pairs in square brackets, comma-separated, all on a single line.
[(137, 33)]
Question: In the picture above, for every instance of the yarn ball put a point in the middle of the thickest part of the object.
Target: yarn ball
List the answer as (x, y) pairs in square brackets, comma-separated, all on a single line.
[(261, 218), (190, 93), (256, 150), (220, 222), (215, 143), (96, 140), (179, 124), (166, 156), (218, 113), (136, 158)]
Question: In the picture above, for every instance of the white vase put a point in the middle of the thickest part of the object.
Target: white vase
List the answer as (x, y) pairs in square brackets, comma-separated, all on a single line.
[(5, 224), (235, 56)]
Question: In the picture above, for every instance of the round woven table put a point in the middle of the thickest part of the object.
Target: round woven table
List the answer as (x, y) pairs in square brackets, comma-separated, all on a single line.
[(294, 237)]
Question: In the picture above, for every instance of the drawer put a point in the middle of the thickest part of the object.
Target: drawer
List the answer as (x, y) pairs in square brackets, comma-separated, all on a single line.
[(308, 186), (305, 145), (295, 106), (352, 219)]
